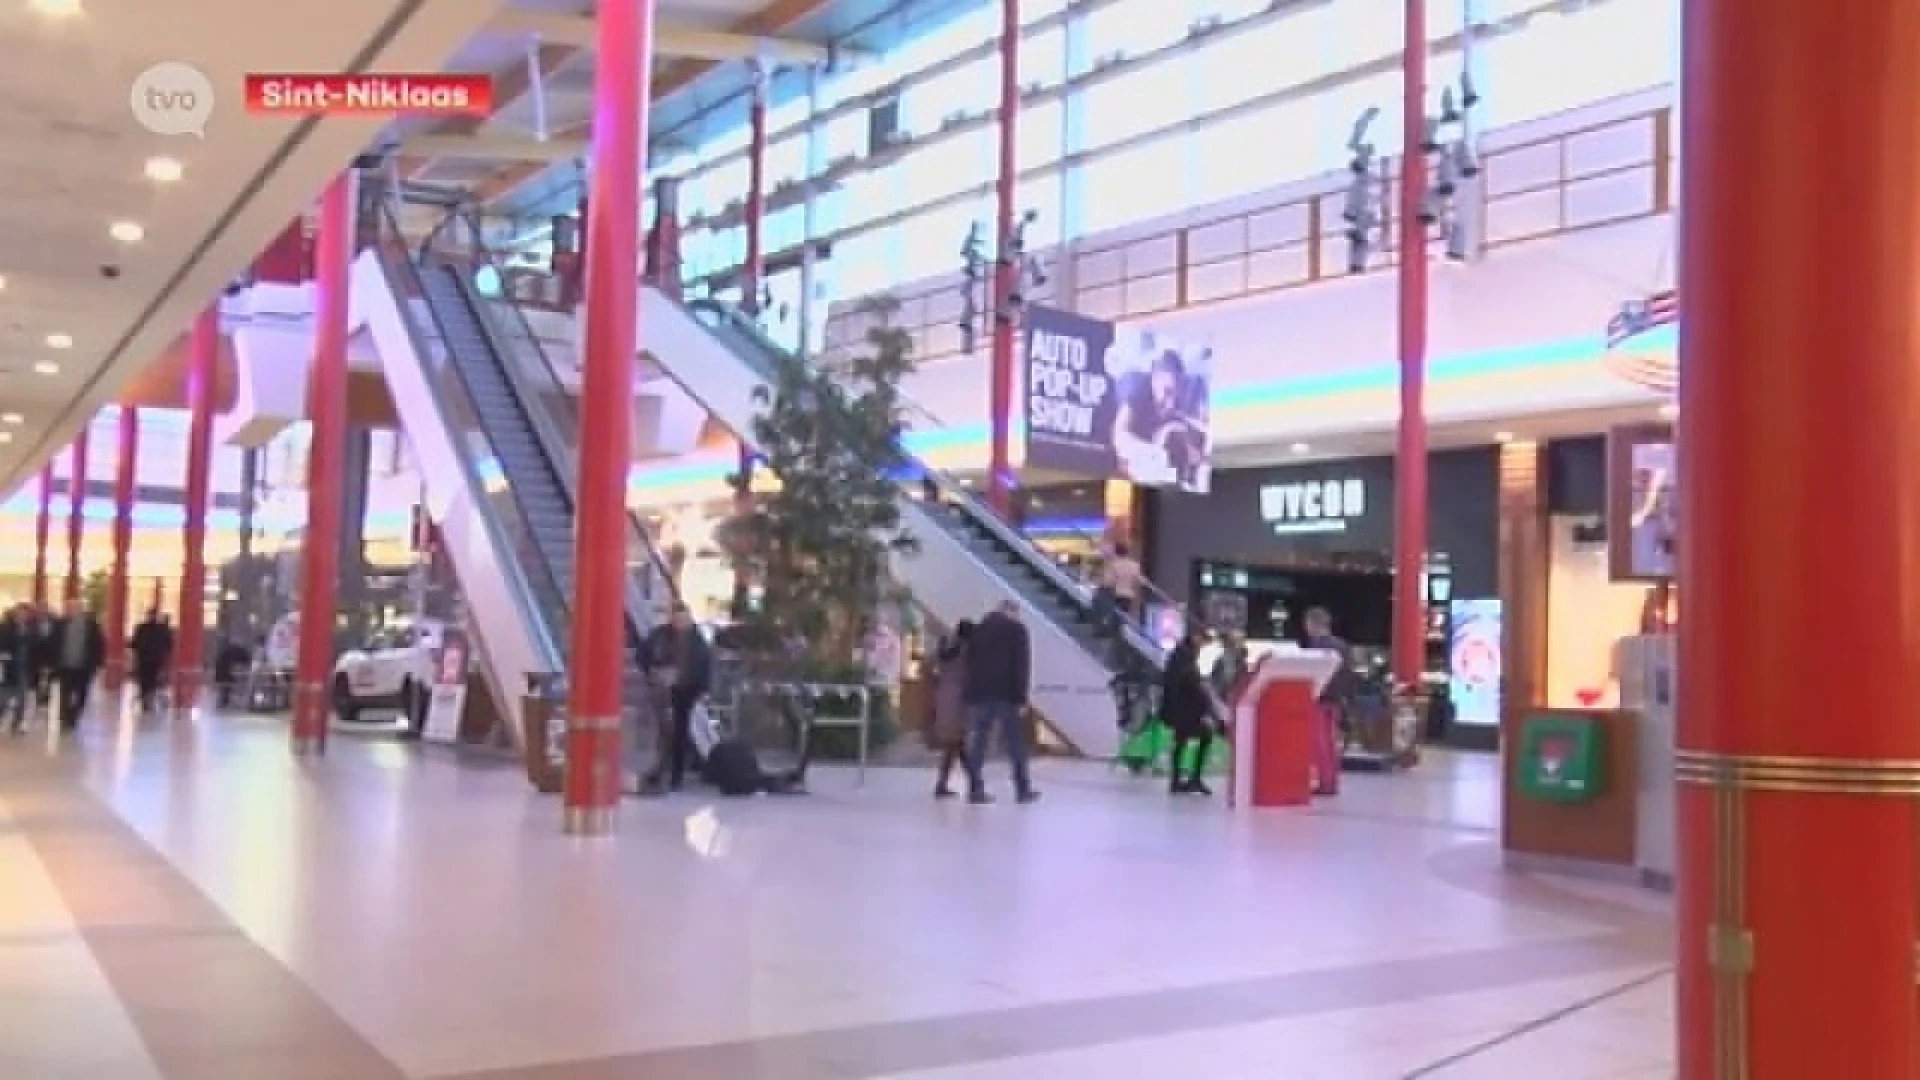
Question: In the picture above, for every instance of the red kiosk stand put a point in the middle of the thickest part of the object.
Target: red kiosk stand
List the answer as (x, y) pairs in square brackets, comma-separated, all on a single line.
[(1277, 751)]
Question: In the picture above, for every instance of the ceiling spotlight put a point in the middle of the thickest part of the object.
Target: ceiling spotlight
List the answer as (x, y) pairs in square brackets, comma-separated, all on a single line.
[(127, 232), (59, 341), (46, 367), (1503, 436), (3, 283), (165, 170), (6, 436), (12, 418), (58, 9), (1301, 448)]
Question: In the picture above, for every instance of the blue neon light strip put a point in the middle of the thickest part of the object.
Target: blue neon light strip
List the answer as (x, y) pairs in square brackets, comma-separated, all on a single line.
[(1573, 352)]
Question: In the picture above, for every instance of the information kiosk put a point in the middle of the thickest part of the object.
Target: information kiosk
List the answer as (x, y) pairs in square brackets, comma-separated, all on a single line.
[(1276, 736)]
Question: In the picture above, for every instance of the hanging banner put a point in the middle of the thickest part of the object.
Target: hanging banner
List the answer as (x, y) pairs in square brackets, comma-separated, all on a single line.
[(1109, 402), (449, 701)]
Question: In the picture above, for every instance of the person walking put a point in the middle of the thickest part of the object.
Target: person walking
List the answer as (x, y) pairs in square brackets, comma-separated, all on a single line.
[(1186, 707), (999, 675), (1128, 582), (678, 660), (152, 648), (79, 649), (17, 646), (948, 731), (1335, 698)]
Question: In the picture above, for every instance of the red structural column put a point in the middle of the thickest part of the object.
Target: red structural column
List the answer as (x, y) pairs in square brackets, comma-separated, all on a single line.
[(189, 652), (1005, 192), (42, 536), (624, 35), (1410, 457), (76, 518), (326, 468), (753, 272), (1799, 763), (125, 490)]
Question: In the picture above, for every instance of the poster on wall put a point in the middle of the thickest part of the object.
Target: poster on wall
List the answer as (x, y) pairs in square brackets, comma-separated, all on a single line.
[(1117, 402), (448, 704), (1643, 504), (1474, 662)]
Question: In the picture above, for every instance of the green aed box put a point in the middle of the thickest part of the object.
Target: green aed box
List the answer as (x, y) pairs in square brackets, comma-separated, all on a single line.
[(1562, 757)]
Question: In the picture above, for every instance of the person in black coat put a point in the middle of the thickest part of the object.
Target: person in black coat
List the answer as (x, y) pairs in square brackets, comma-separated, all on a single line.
[(152, 648), (17, 668), (677, 658), (998, 681), (77, 648), (1186, 707)]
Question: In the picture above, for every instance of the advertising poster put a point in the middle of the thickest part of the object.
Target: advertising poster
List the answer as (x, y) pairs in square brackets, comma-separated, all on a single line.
[(1109, 402), (1643, 504), (1475, 661), (449, 701)]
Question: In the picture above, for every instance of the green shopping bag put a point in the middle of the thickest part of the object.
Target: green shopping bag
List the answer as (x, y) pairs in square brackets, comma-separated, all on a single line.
[(1219, 758)]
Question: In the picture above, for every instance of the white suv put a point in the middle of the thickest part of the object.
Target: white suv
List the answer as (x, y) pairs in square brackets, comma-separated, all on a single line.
[(392, 670)]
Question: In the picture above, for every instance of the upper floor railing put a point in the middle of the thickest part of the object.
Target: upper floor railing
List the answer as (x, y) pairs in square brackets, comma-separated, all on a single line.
[(1605, 173)]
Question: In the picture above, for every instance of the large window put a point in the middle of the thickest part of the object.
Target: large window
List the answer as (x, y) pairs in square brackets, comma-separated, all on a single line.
[(1041, 195), (944, 40), (1360, 32), (865, 264), (1043, 58), (845, 135), (1042, 134), (1238, 67), (1255, 150), (869, 196), (1550, 66), (930, 243), (1135, 184), (1136, 27), (946, 166), (786, 160), (1129, 105), (1342, 108), (971, 88)]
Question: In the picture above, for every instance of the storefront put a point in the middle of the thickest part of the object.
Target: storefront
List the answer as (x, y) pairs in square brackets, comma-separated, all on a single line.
[(1267, 544)]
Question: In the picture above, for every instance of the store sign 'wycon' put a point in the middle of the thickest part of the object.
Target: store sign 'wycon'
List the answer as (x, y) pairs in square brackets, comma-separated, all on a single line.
[(1313, 506)]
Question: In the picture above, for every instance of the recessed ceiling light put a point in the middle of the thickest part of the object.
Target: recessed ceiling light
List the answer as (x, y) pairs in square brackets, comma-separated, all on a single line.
[(46, 367), (165, 170), (3, 283), (12, 418), (59, 341), (1301, 448), (127, 232), (59, 9), (1503, 436), (6, 436)]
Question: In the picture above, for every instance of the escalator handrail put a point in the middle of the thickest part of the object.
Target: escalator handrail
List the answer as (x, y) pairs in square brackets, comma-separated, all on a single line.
[(548, 649), (552, 441), (951, 488), (1097, 543)]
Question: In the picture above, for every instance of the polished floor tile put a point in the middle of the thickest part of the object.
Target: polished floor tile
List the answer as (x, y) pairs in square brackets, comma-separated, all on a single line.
[(405, 912)]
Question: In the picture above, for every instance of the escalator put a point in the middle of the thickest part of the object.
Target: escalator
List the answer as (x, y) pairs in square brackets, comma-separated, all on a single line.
[(497, 473), (969, 559)]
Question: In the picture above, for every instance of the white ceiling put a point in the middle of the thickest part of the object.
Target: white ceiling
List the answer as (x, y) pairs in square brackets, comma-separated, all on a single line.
[(71, 163)]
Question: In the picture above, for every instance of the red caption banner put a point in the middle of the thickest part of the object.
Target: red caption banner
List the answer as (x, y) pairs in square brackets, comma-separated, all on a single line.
[(366, 95)]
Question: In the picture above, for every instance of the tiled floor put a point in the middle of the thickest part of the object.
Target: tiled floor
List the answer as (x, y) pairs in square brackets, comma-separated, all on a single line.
[(186, 901)]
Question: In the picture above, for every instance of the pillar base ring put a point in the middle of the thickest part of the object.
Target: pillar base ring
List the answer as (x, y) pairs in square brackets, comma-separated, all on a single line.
[(308, 746), (588, 821), (1831, 776)]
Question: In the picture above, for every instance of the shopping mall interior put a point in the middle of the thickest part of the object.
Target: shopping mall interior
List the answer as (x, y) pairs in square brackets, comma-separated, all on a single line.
[(959, 540)]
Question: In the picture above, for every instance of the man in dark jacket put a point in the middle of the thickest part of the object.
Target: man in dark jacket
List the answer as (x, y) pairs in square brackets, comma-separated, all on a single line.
[(999, 677), (78, 648), (677, 658), (152, 647), (17, 668)]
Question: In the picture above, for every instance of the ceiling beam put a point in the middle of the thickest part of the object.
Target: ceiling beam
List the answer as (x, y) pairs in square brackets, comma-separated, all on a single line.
[(669, 78), (577, 32), (509, 84), (481, 147)]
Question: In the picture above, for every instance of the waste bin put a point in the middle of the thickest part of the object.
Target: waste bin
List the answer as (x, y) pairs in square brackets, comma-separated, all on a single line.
[(543, 729)]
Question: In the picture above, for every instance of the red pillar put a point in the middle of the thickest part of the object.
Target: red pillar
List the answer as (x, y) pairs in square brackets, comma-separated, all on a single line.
[(76, 518), (288, 260), (125, 490), (42, 536), (189, 650), (753, 272), (624, 33), (1799, 903), (1005, 191), (1410, 457), (326, 468)]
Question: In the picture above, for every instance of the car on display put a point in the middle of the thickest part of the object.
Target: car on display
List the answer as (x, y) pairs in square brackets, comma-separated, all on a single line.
[(392, 670)]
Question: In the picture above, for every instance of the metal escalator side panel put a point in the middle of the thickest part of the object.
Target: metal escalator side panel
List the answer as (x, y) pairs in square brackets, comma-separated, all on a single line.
[(1070, 686), (723, 382), (495, 590)]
